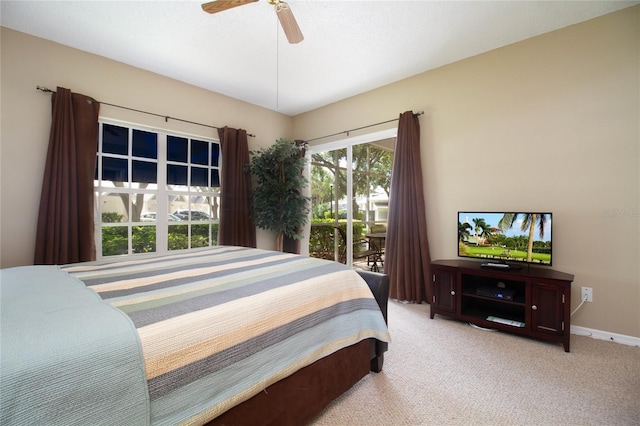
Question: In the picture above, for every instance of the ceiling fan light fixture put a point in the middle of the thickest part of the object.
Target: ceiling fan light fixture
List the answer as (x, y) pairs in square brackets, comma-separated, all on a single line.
[(288, 23)]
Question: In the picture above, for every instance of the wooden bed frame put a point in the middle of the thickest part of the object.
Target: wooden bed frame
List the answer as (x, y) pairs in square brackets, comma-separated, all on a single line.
[(299, 398)]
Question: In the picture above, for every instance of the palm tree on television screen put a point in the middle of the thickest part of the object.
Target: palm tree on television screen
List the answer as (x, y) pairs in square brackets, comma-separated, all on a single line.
[(463, 231), (482, 229), (529, 221)]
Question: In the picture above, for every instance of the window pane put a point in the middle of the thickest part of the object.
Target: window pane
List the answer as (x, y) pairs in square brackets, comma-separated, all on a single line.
[(199, 176), (215, 178), (115, 170), (115, 240), (215, 154), (115, 139), (178, 237), (143, 204), (176, 175), (144, 171), (199, 236), (199, 152), (115, 207), (178, 205), (145, 144), (200, 209), (177, 149), (143, 239)]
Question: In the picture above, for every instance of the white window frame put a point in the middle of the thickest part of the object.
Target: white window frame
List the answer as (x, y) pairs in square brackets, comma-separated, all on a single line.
[(162, 192)]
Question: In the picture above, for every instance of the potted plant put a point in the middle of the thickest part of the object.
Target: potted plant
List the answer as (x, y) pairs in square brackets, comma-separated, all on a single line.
[(278, 203)]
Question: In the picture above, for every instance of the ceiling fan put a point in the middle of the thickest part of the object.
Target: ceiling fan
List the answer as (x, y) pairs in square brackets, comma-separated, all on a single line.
[(285, 15)]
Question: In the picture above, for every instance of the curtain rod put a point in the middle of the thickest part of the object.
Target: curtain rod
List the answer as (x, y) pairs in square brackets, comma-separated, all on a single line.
[(417, 114), (166, 117)]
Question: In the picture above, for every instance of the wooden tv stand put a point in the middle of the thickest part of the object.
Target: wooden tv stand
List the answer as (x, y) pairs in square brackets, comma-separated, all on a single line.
[(534, 302)]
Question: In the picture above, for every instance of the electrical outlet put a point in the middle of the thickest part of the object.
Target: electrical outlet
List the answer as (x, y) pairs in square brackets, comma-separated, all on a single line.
[(586, 292)]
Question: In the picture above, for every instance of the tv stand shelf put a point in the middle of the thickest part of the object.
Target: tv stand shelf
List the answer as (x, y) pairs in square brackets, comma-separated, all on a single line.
[(529, 301)]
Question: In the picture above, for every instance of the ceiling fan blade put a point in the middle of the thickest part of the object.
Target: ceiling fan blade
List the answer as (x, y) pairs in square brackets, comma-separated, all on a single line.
[(220, 5), (288, 23)]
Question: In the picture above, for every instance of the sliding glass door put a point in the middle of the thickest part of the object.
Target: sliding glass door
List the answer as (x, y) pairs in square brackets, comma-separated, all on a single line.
[(350, 184)]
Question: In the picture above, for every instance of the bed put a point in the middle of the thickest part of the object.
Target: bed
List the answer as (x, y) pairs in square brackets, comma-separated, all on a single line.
[(225, 335)]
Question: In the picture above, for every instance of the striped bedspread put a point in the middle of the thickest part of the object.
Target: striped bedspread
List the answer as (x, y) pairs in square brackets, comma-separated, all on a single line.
[(218, 326)]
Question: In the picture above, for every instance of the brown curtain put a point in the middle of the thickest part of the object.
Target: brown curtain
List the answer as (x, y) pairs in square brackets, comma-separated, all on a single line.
[(65, 230), (407, 260), (236, 226), (289, 245)]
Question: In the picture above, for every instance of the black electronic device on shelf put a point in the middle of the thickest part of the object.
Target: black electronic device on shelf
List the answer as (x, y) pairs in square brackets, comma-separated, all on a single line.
[(496, 292)]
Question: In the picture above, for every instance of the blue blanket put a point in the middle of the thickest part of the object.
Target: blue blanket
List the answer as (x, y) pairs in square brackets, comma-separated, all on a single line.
[(67, 358)]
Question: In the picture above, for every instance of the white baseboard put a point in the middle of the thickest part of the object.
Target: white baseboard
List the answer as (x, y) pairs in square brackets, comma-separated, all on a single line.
[(605, 335)]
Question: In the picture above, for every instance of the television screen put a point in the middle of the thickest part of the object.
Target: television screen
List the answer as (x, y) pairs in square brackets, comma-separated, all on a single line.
[(505, 237)]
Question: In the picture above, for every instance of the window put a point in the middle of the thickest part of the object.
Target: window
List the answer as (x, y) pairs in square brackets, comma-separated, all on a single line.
[(155, 191)]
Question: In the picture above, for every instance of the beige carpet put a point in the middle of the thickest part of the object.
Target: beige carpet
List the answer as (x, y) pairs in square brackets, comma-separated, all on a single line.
[(444, 372)]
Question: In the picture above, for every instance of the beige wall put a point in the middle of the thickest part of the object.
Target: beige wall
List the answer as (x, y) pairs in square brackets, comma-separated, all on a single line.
[(551, 123), (26, 117)]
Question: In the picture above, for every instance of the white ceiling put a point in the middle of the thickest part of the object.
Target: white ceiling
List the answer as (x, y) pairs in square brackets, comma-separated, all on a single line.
[(350, 46)]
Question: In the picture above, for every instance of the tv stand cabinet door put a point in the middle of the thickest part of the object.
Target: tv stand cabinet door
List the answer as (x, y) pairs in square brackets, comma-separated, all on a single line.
[(445, 291), (548, 305)]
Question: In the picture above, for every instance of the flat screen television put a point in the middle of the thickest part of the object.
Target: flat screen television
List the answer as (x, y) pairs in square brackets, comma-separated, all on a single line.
[(503, 238)]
